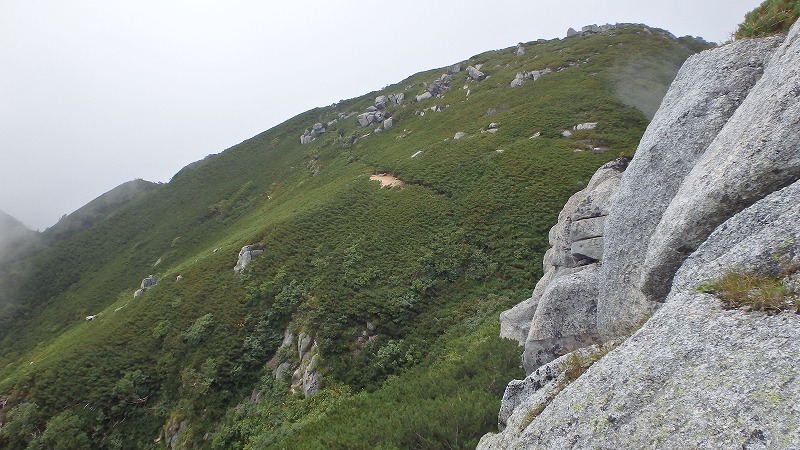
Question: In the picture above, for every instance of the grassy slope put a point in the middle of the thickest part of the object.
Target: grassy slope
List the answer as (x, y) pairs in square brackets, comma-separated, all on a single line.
[(430, 264)]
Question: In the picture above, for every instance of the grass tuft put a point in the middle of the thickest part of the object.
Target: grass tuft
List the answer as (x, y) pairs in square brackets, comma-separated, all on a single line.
[(757, 292), (769, 18)]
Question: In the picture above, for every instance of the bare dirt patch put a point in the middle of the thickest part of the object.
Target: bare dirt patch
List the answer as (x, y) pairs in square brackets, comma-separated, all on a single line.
[(387, 180)]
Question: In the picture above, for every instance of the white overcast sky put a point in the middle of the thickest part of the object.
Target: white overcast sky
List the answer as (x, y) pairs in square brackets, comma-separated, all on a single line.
[(96, 93)]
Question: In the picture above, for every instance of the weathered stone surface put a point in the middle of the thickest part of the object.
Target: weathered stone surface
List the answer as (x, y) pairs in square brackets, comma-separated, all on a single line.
[(706, 92), (597, 201), (586, 228), (586, 126), (475, 74), (309, 135), (592, 201), (440, 85), (304, 343), (763, 239), (138, 293), (713, 189), (370, 117), (381, 102), (515, 323), (518, 79), (564, 319), (397, 99), (455, 68), (173, 432), (591, 248), (282, 370), (571, 32), (695, 376), (755, 153), (246, 255), (311, 377), (520, 50), (149, 282), (524, 399), (423, 96), (363, 119), (388, 123)]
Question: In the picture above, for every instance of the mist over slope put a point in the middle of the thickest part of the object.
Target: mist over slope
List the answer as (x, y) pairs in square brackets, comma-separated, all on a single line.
[(353, 296), (12, 234), (100, 208)]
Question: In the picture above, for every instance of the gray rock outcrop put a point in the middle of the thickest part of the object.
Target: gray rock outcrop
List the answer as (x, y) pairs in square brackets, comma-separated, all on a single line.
[(246, 254), (560, 315), (370, 117), (397, 99), (425, 95), (712, 191), (310, 135), (300, 358), (474, 74), (699, 103), (381, 102), (440, 85), (754, 154), (592, 29), (518, 80), (148, 282), (454, 69), (534, 75)]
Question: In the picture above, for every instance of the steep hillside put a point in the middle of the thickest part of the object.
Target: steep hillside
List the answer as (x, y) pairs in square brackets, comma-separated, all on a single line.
[(668, 315), (13, 235), (351, 295), (16, 240), (98, 209)]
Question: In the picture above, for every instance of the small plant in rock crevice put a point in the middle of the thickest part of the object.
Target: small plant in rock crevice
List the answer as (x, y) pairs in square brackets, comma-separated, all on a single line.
[(758, 292)]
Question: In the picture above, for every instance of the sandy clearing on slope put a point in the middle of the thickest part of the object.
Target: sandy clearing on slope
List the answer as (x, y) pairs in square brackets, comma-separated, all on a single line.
[(387, 180)]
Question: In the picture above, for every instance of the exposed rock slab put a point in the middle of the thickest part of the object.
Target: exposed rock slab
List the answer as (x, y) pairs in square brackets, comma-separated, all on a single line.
[(474, 74), (755, 154), (564, 319), (246, 255), (560, 315), (763, 239), (713, 189), (705, 94), (695, 376)]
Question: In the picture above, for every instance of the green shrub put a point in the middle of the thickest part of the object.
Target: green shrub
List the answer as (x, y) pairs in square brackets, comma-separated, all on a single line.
[(199, 329)]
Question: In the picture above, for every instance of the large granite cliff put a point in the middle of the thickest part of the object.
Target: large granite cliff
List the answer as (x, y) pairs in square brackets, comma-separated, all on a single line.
[(621, 348)]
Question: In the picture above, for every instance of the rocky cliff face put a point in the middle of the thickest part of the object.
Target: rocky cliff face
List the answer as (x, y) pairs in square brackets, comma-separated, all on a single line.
[(713, 190)]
